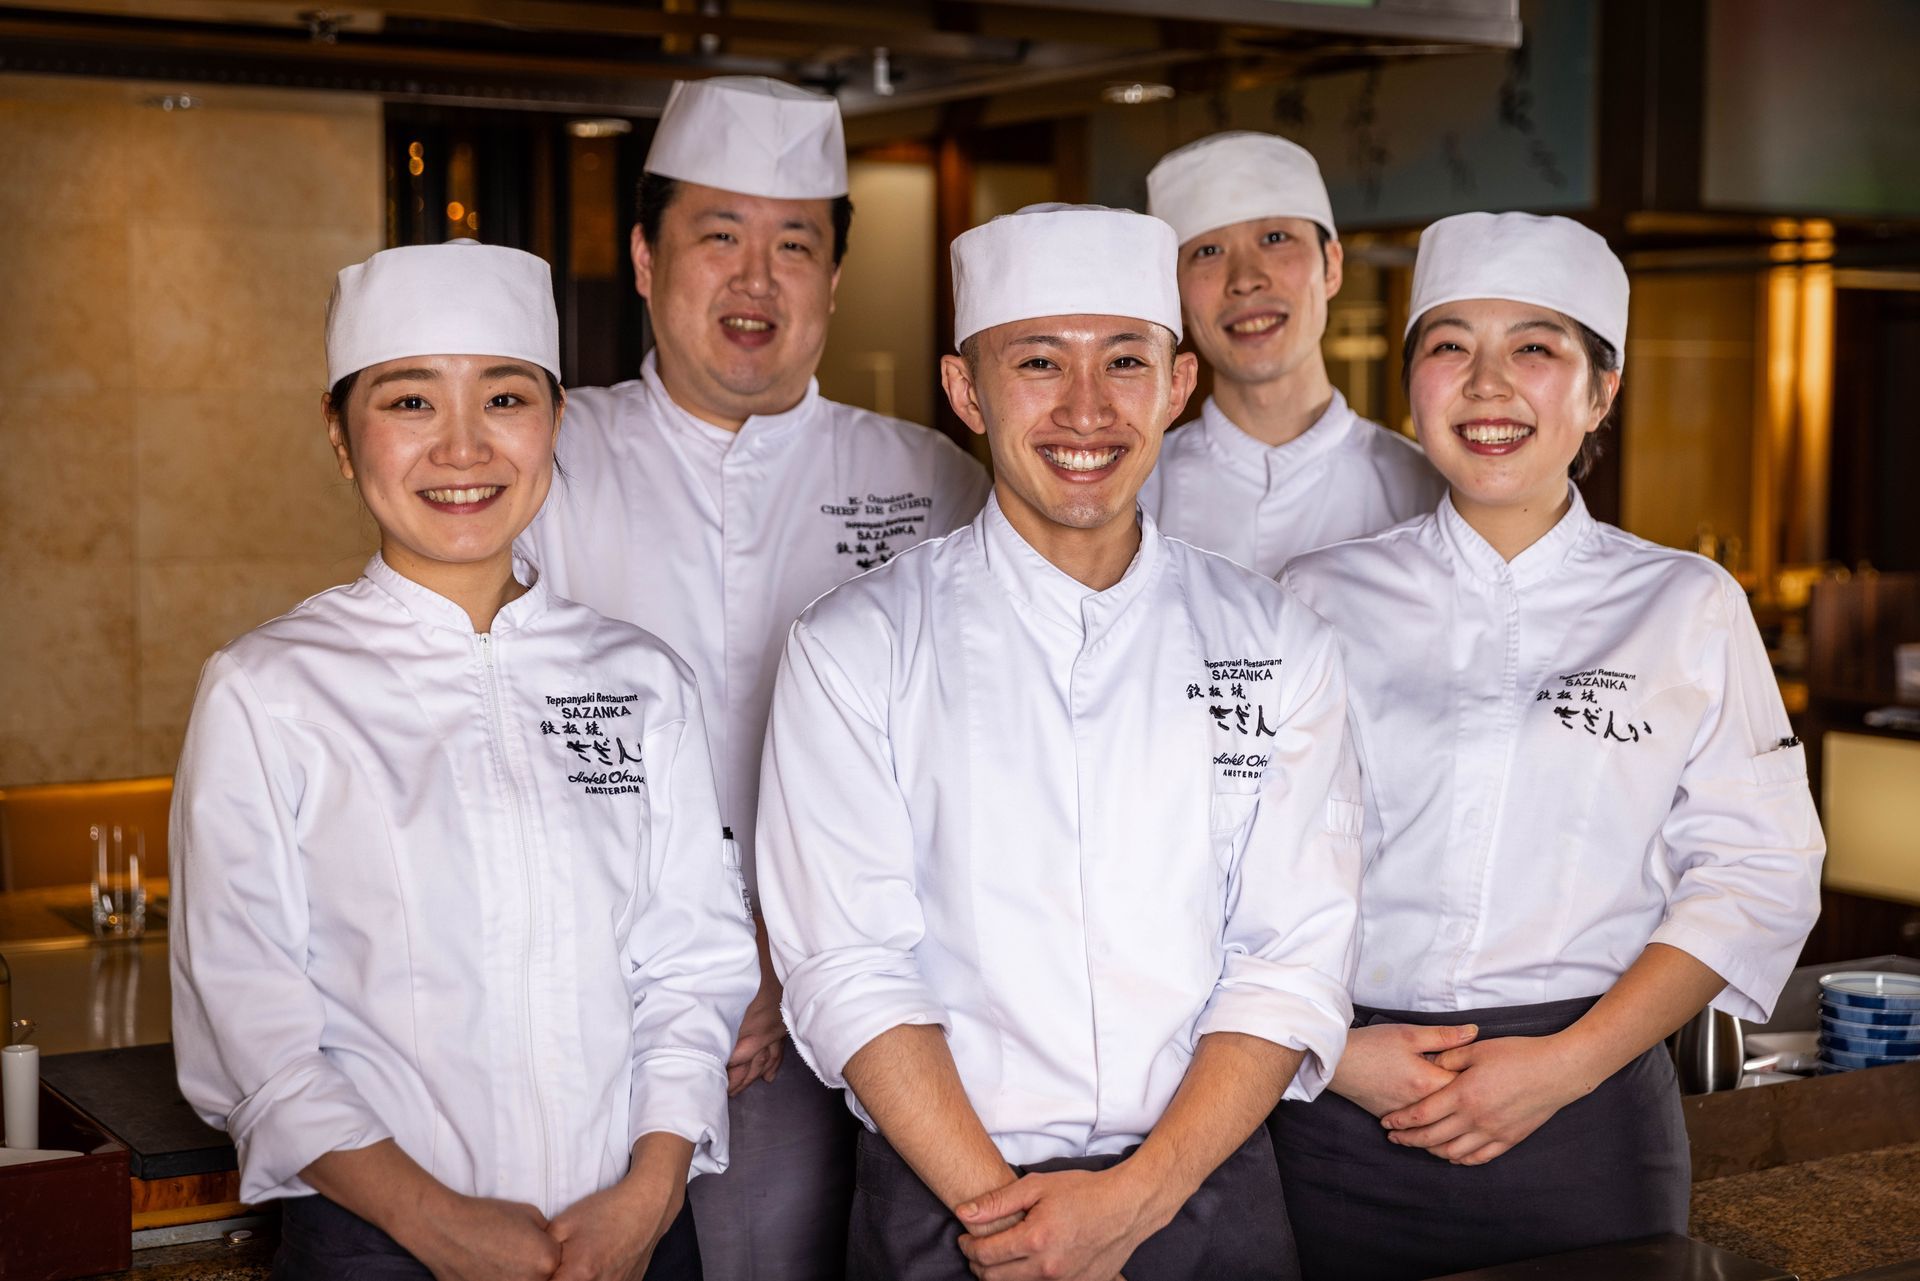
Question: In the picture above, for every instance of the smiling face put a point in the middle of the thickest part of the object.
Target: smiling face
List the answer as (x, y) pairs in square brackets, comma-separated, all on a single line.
[(453, 455), (1255, 296), (1503, 394), (740, 289), (1073, 408)]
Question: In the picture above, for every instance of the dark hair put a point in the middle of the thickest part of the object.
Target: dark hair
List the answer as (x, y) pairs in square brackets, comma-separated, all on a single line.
[(1602, 360), (1322, 235), (337, 405), (655, 193)]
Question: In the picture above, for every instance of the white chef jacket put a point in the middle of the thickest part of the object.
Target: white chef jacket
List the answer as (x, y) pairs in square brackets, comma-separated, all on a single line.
[(715, 541), (1568, 757), (465, 891), (1078, 830), (1219, 488)]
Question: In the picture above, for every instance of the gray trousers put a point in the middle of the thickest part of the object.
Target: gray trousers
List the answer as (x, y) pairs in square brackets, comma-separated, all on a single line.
[(779, 1213), (1609, 1167), (1233, 1229)]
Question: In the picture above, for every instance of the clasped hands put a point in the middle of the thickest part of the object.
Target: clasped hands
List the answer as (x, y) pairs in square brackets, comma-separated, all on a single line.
[(1463, 1100), (1081, 1225), (609, 1236)]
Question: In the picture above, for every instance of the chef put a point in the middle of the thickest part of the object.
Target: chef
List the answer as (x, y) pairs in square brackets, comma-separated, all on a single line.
[(1588, 816), (458, 954), (1277, 463), (709, 500), (1059, 823)]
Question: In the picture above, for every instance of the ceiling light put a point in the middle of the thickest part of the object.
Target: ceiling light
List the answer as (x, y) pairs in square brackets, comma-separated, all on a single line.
[(604, 127), (174, 102), (1134, 93)]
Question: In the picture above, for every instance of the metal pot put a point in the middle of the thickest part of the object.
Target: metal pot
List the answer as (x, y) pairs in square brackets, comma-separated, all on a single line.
[(1708, 1052)]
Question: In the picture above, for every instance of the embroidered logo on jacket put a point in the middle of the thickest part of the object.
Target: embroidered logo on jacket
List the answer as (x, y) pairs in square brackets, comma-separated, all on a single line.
[(1232, 695), (1589, 701), (878, 527), (586, 732)]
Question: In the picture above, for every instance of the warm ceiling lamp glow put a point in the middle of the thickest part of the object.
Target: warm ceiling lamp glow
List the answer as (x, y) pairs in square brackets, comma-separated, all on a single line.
[(1136, 93), (606, 127), (456, 212)]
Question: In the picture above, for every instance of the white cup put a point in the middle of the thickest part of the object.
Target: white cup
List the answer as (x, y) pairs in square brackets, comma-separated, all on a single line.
[(20, 1095)]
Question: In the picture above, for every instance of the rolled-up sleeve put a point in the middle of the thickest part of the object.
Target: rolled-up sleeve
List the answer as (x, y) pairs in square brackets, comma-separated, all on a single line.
[(1293, 890), (692, 966), (1742, 839), (247, 1023), (838, 896)]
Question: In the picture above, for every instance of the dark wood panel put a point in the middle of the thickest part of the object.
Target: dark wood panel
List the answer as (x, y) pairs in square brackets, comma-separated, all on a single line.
[(1737, 1131), (1853, 925)]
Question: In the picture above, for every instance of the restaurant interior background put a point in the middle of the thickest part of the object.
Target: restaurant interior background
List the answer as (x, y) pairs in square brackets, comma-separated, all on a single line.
[(180, 179)]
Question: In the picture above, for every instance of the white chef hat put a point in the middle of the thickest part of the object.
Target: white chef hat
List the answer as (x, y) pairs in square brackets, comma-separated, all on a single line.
[(1236, 177), (1548, 262), (462, 298), (1064, 260), (753, 135)]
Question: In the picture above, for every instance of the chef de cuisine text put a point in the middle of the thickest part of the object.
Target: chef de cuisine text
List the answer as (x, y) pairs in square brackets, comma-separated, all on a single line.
[(878, 527)]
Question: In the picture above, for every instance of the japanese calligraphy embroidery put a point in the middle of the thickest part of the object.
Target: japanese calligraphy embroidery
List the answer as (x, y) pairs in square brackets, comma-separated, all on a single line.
[(588, 733), (877, 528), (1579, 705), (1231, 695)]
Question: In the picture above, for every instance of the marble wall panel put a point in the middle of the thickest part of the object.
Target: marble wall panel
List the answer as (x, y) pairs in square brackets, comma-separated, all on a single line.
[(67, 327), (70, 493), (167, 278), (66, 162), (217, 306), (258, 161), (70, 649), (262, 477)]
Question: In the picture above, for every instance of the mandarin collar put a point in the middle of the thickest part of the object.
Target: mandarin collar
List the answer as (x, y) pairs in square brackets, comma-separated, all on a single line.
[(1032, 579), (1537, 562), (430, 607), (759, 433), (1247, 456)]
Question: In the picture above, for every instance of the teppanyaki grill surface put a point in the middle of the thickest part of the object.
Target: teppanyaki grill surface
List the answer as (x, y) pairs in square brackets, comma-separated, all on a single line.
[(133, 1094)]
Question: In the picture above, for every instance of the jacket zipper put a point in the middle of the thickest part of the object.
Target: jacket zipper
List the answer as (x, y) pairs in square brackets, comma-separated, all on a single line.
[(532, 888)]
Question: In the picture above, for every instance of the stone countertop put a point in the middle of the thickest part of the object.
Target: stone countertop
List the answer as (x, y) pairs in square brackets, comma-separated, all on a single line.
[(208, 1261), (1819, 1219)]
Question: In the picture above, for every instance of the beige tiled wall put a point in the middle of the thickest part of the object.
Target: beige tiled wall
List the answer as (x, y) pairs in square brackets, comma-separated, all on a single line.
[(166, 479)]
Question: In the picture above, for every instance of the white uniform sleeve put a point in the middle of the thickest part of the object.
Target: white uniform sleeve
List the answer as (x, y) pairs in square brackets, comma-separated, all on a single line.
[(692, 963), (1293, 895), (1742, 838), (247, 1024), (836, 855)]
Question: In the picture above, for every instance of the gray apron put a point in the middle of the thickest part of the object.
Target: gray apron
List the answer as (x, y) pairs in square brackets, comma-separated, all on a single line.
[(779, 1212), (1233, 1229), (1608, 1167), (321, 1240)]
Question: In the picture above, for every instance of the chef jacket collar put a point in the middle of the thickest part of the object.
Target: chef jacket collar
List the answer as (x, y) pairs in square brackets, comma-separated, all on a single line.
[(1037, 582), (1536, 563), (1244, 455), (430, 607), (759, 434)]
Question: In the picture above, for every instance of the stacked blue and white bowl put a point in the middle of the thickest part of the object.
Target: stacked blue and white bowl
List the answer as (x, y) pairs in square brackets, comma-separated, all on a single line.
[(1869, 1018)]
